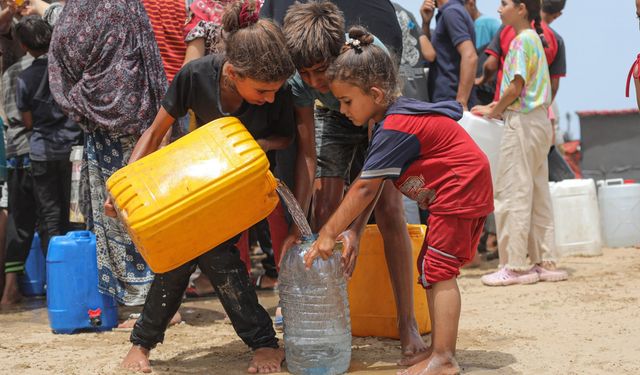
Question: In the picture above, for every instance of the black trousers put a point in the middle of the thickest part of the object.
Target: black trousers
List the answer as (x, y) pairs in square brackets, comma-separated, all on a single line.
[(230, 279), (22, 213), (52, 187)]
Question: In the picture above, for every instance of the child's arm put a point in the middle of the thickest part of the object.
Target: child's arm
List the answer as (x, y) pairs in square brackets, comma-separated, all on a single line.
[(274, 142), (496, 109), (305, 168), (360, 195), (351, 238), (152, 138), (27, 120), (509, 96)]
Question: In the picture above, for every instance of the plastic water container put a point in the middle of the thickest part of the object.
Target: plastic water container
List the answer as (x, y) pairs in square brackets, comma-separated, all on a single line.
[(214, 181), (32, 282), (576, 217), (487, 134), (620, 212), (73, 300), (374, 313), (315, 311)]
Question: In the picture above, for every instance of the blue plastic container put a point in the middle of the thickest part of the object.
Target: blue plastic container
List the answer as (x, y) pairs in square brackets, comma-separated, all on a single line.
[(33, 280), (73, 299)]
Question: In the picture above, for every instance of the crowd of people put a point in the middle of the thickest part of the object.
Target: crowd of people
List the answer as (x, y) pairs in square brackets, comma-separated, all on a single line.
[(317, 84)]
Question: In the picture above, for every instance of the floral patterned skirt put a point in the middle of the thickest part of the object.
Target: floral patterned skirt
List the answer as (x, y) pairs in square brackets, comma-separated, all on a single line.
[(122, 271)]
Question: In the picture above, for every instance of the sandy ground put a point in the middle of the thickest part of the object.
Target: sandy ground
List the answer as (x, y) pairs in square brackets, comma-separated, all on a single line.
[(587, 325)]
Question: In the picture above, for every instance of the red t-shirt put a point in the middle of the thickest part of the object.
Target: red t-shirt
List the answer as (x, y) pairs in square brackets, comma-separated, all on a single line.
[(167, 21), (434, 161)]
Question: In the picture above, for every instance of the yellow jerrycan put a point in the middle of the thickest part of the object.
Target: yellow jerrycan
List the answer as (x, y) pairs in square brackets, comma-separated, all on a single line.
[(192, 195), (371, 300)]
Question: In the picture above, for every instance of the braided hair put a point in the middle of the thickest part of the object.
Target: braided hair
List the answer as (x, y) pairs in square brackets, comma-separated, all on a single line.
[(533, 10)]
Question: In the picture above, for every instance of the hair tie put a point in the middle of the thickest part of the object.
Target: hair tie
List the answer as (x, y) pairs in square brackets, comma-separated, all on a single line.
[(248, 17), (354, 44)]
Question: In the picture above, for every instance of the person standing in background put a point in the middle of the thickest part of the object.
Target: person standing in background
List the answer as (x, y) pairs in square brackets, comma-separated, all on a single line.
[(106, 73), (523, 211), (53, 134), (486, 27), (21, 201), (452, 75)]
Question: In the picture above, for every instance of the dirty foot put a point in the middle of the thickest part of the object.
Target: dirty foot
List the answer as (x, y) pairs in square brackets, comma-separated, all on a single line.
[(434, 365), (266, 361), (413, 349), (137, 360), (129, 323)]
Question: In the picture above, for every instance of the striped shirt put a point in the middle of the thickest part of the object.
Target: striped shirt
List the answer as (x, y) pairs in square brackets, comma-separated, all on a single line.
[(167, 20)]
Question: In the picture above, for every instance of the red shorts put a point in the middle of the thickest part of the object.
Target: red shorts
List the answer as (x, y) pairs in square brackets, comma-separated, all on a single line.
[(451, 242)]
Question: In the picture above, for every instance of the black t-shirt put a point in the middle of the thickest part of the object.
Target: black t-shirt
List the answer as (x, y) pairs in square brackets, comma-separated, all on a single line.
[(378, 16), (412, 65), (196, 87), (53, 133)]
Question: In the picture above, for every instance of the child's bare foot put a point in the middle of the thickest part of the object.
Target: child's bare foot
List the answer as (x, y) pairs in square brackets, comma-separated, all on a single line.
[(266, 361), (413, 347), (137, 360), (131, 321), (434, 365)]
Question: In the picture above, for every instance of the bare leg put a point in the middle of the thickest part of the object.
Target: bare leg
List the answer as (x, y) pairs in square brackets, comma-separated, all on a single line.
[(444, 302), (266, 361), (11, 293), (327, 194), (137, 360), (398, 253)]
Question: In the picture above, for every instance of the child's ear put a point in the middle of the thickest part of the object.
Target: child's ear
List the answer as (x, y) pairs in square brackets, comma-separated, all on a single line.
[(231, 72), (378, 95)]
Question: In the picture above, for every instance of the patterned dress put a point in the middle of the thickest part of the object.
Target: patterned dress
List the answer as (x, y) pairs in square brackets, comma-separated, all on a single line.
[(105, 72)]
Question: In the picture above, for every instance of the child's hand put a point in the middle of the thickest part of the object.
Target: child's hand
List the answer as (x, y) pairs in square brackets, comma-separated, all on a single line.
[(480, 110), (322, 247), (351, 246), (109, 210), (292, 239)]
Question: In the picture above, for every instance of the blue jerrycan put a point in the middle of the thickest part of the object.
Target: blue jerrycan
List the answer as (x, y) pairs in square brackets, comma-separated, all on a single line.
[(33, 280), (73, 300)]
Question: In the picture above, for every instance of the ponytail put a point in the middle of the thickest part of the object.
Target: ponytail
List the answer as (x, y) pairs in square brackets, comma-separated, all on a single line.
[(533, 11), (255, 47), (365, 65), (538, 26)]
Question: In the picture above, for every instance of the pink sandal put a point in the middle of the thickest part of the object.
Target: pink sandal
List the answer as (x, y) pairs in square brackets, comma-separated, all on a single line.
[(504, 277), (550, 275)]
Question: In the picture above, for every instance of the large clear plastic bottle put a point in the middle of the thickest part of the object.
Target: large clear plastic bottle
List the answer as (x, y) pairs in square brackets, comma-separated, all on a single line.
[(315, 310)]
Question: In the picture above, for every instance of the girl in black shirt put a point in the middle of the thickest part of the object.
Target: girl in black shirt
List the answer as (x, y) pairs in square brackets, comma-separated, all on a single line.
[(247, 82)]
